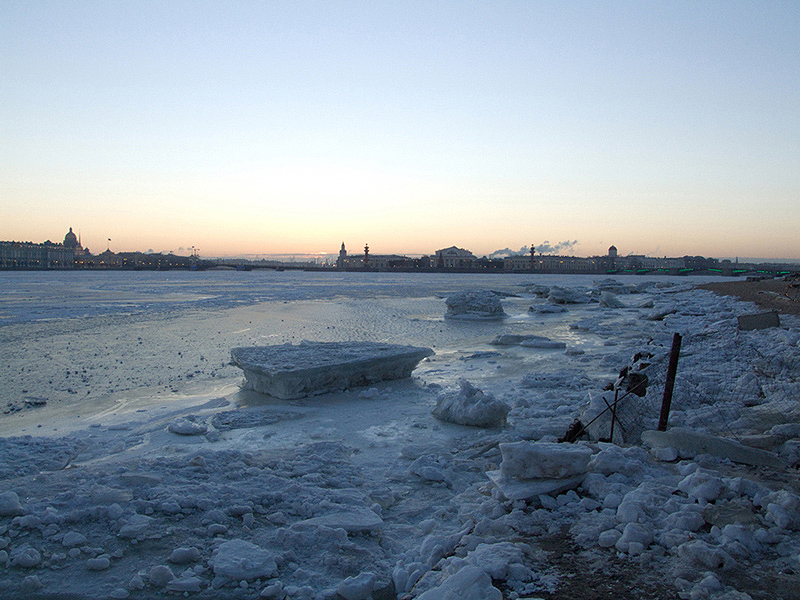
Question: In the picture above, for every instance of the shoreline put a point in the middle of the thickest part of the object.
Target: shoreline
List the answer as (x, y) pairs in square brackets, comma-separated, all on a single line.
[(769, 294)]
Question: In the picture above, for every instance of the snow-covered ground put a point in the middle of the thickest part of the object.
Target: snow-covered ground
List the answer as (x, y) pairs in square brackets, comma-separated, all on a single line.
[(132, 465)]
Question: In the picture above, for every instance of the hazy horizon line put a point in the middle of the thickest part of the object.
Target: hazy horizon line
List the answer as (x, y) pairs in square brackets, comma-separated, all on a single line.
[(318, 255)]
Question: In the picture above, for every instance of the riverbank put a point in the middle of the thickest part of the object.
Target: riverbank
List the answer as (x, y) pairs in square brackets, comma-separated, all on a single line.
[(769, 294)]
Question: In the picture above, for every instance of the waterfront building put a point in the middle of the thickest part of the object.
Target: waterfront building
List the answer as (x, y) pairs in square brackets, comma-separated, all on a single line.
[(142, 261), (553, 263), (454, 258), (388, 262), (517, 262), (611, 261), (74, 242), (108, 260), (375, 262), (27, 255), (653, 263)]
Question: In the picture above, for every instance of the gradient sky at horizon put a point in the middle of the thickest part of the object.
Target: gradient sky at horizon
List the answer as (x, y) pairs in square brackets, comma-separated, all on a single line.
[(664, 128)]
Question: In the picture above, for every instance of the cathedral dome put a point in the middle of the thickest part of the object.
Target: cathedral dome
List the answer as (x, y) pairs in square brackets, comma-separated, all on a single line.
[(70, 240)]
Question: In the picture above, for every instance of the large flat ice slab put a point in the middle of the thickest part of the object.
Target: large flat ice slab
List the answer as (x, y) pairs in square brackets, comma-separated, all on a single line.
[(691, 443), (524, 489), (291, 371), (353, 521)]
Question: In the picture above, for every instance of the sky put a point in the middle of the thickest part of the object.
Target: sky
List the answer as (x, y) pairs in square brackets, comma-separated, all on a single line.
[(279, 127)]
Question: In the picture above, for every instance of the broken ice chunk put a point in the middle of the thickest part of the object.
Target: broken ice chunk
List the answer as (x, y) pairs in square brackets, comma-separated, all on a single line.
[(471, 406), (531, 469), (470, 583), (291, 371), (241, 560), (187, 427), (474, 305), (609, 300), (535, 460), (561, 295)]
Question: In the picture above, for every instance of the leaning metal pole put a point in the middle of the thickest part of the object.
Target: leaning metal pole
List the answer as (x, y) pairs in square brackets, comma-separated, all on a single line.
[(666, 401)]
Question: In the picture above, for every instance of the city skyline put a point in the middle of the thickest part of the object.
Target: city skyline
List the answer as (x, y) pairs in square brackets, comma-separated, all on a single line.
[(564, 249), (246, 128), (69, 254)]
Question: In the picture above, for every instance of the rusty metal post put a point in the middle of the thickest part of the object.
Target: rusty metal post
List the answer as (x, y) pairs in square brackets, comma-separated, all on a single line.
[(672, 369)]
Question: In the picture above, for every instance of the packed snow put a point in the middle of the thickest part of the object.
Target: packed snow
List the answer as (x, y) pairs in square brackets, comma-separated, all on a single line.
[(134, 465)]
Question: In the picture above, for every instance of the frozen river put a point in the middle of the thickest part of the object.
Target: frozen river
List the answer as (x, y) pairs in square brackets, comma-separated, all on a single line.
[(361, 493), (83, 338)]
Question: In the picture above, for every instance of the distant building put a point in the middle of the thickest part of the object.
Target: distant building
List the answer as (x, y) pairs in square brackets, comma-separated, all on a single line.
[(652, 263), (374, 262), (108, 259), (454, 258), (348, 262), (553, 263), (700, 263), (518, 262), (142, 261), (47, 255), (26, 255), (642, 263), (389, 262), (566, 264), (611, 260), (74, 242)]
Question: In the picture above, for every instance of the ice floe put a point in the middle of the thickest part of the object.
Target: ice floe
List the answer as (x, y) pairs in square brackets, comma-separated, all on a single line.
[(290, 371)]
